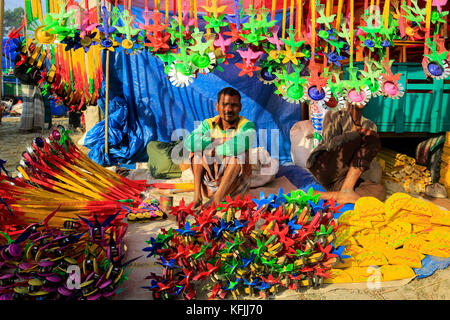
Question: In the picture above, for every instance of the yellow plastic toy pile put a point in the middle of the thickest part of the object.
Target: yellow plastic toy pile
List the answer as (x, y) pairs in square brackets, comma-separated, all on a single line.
[(403, 169), (391, 237), (445, 165)]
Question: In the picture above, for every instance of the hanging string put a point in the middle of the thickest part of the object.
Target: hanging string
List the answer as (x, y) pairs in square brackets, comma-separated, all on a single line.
[(338, 15), (352, 16), (195, 14), (299, 18), (283, 27), (427, 26), (274, 4), (291, 15), (313, 31)]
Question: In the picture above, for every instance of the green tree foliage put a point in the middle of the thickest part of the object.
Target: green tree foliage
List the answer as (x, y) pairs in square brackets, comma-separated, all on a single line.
[(12, 18)]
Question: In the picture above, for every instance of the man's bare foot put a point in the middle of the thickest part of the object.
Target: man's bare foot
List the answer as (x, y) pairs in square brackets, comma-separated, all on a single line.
[(347, 196)]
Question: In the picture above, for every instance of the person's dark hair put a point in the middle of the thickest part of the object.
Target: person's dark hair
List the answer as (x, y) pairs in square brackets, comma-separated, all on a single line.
[(229, 92)]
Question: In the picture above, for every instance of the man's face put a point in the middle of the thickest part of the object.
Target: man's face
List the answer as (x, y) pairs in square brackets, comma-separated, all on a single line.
[(229, 108)]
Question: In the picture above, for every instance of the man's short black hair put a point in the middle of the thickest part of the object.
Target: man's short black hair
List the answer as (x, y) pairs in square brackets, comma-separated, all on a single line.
[(229, 91)]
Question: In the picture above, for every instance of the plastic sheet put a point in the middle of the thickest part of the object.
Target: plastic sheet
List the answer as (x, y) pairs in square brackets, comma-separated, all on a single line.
[(429, 266), (144, 106)]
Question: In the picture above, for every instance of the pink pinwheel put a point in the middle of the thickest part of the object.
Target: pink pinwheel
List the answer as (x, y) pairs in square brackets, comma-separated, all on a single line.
[(439, 4), (222, 43), (85, 27), (250, 56), (274, 38)]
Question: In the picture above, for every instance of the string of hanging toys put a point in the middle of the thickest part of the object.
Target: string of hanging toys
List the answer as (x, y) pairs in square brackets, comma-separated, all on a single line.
[(303, 57)]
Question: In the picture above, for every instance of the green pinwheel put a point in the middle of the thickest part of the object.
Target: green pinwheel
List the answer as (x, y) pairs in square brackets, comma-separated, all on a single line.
[(263, 25), (127, 30), (371, 77), (291, 42), (62, 23), (215, 23), (323, 19), (255, 35), (415, 14)]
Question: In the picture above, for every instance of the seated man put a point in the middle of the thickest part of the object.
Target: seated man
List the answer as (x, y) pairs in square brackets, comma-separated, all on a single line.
[(350, 143), (219, 150)]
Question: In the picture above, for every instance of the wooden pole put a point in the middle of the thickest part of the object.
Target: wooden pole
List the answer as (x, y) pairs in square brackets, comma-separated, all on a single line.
[(2, 14)]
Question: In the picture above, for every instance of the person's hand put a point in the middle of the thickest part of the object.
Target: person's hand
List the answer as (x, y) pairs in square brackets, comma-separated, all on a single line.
[(210, 153), (364, 131)]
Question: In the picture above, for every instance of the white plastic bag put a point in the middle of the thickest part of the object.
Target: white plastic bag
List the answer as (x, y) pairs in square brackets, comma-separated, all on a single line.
[(302, 138)]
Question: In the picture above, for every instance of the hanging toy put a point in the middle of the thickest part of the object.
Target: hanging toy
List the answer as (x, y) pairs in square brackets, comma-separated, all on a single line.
[(249, 57), (200, 59), (181, 72), (238, 17), (371, 76), (128, 31), (356, 92), (267, 74), (389, 84), (294, 85), (436, 64), (316, 90), (107, 42)]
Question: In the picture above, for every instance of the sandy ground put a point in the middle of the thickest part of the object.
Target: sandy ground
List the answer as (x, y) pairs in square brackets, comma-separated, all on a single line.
[(435, 287)]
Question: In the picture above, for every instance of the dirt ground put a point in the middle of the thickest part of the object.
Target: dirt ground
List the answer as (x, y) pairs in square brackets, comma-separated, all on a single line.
[(435, 287)]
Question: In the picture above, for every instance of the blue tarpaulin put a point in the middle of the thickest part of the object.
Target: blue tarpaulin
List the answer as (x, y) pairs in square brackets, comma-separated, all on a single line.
[(145, 106)]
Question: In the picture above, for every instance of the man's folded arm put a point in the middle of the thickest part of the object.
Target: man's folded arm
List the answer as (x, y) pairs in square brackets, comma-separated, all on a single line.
[(243, 140), (199, 139)]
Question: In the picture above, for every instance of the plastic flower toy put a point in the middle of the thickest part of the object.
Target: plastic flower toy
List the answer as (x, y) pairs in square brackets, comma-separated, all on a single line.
[(255, 35), (334, 58), (263, 24), (415, 14), (128, 30), (215, 23), (249, 58), (356, 92), (108, 31), (203, 61), (291, 56), (239, 18), (316, 90), (436, 64), (371, 77), (59, 24), (181, 72), (389, 84), (323, 19), (267, 73), (274, 40), (294, 85)]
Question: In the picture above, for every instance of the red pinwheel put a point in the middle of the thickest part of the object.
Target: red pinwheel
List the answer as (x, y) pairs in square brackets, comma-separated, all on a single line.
[(247, 69), (235, 34), (181, 212), (217, 290)]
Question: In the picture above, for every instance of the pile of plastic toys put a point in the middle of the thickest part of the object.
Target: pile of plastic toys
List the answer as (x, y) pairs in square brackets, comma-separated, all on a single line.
[(244, 246)]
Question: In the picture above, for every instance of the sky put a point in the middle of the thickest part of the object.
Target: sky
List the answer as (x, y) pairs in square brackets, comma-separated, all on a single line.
[(11, 4)]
